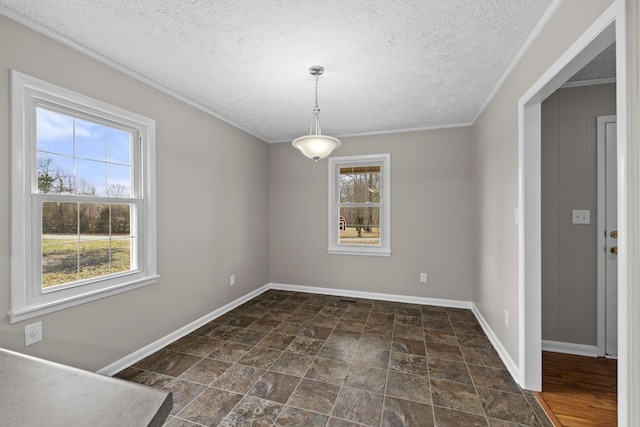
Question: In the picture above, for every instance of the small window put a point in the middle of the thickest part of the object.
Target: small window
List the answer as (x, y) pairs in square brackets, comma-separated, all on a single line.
[(82, 201), (359, 205)]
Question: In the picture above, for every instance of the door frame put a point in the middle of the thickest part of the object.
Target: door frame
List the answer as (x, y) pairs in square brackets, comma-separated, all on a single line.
[(625, 14), (612, 24), (600, 35), (602, 240)]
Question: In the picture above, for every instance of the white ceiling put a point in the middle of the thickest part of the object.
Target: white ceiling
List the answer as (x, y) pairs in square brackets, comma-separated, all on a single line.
[(390, 65)]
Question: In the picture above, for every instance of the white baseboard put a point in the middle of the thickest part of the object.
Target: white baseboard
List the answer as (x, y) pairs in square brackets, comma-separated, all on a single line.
[(148, 350), (512, 367), (570, 348), (373, 295)]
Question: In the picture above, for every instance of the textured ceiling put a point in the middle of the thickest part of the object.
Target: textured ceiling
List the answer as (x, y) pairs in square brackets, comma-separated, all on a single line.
[(602, 66), (390, 64)]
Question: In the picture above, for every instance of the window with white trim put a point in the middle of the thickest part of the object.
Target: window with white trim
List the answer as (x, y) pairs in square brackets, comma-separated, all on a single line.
[(359, 205), (82, 199)]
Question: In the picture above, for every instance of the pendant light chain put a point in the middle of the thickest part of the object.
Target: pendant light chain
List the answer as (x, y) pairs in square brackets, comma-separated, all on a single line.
[(315, 126), (317, 78)]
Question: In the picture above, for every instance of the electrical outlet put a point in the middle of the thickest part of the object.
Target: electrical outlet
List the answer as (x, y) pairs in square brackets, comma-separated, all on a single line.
[(423, 277), (232, 280), (32, 333), (506, 318)]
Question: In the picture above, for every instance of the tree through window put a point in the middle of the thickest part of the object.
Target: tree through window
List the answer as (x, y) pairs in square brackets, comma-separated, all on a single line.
[(360, 205)]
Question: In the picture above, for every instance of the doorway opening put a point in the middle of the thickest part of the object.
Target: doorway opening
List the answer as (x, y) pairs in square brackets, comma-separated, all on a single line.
[(607, 29), (579, 255)]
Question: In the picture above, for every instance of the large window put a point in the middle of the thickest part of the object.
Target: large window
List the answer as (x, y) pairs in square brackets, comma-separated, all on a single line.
[(82, 201), (359, 205)]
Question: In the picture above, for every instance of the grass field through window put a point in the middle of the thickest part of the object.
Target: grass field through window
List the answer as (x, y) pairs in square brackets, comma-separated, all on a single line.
[(66, 261), (350, 236)]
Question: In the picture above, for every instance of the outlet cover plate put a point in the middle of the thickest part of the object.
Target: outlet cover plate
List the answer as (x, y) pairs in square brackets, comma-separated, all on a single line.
[(32, 333), (579, 216)]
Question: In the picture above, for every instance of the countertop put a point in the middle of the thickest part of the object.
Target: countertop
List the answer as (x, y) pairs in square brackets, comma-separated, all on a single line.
[(37, 392)]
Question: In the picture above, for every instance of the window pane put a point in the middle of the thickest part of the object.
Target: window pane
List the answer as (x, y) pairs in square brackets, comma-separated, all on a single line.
[(94, 220), (60, 220), (120, 220), (90, 177), (84, 240), (118, 146), (59, 262), (359, 226), (360, 184), (90, 140), (95, 257), (54, 132), (118, 180), (121, 255), (55, 174), (59, 243)]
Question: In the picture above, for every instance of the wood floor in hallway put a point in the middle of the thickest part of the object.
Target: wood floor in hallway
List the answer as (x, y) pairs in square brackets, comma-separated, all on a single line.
[(579, 391)]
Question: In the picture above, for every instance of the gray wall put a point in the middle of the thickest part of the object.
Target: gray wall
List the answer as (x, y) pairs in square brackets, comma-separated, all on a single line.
[(495, 167), (431, 218), (569, 181), (212, 203)]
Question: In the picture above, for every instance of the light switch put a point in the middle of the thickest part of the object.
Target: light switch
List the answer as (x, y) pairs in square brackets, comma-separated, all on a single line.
[(581, 216)]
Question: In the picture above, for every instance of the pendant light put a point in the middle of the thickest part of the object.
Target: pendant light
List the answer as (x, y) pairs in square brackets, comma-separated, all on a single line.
[(315, 145)]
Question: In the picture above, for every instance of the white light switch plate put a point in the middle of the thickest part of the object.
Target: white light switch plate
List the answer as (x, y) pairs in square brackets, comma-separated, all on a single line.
[(580, 216)]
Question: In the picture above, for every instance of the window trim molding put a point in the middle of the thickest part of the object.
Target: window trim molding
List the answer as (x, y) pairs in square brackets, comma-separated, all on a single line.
[(334, 247), (24, 305)]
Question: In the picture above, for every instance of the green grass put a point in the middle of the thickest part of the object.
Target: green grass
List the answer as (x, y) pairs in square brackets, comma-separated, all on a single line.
[(60, 259)]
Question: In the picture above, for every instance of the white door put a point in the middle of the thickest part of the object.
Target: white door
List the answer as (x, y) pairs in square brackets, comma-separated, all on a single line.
[(608, 230)]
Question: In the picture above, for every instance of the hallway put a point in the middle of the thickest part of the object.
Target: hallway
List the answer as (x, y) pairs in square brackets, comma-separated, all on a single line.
[(579, 391)]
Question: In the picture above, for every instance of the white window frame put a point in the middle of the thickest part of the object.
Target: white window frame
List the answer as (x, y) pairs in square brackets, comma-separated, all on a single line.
[(28, 299), (335, 163)]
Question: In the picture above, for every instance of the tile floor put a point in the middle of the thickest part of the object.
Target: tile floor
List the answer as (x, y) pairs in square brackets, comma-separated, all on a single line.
[(296, 359)]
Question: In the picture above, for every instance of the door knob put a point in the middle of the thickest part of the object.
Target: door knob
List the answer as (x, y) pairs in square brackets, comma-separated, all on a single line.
[(614, 234), (614, 250)]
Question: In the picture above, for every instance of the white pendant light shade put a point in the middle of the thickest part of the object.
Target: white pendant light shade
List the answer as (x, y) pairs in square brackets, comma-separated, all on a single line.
[(316, 146)]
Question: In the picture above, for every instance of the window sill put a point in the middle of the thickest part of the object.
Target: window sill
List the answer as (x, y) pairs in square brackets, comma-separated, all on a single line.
[(39, 309), (358, 252)]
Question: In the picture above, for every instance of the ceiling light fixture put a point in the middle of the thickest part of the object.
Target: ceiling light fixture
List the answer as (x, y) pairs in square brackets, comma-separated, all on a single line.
[(316, 146)]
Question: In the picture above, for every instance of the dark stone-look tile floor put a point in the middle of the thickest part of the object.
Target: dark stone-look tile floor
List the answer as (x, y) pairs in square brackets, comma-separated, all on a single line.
[(296, 359)]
